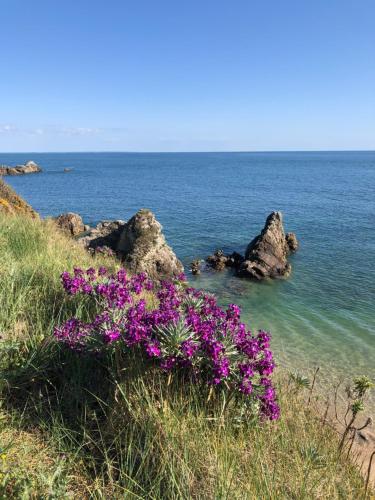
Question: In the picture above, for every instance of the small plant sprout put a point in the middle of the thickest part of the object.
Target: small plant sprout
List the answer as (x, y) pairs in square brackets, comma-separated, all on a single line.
[(300, 381), (356, 404)]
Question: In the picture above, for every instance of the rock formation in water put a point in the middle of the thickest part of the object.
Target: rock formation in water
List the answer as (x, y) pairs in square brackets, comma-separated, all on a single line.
[(28, 168), (266, 255), (195, 267), (219, 260), (70, 223), (143, 248), (292, 241)]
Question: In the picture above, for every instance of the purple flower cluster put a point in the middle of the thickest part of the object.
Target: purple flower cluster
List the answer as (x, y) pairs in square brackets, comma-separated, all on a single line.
[(186, 330)]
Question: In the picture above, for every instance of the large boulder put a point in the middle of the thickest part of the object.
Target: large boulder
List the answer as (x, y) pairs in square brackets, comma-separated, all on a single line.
[(70, 223), (29, 167), (143, 248), (266, 255)]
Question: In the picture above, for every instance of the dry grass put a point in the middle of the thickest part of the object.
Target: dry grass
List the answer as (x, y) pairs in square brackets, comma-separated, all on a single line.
[(75, 430)]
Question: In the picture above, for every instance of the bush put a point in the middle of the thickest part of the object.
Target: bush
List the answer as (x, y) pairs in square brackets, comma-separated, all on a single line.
[(187, 332)]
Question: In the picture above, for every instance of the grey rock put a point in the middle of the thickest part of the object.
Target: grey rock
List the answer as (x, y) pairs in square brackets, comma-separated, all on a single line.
[(195, 267), (143, 248), (292, 242), (218, 260), (266, 255), (105, 235), (29, 167)]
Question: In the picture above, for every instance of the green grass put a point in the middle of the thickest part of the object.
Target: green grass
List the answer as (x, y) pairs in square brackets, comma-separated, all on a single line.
[(103, 428)]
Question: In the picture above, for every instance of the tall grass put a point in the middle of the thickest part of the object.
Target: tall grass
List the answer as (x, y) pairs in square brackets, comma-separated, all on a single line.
[(105, 429)]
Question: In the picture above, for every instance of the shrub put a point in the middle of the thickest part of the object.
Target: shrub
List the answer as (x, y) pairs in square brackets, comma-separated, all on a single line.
[(186, 332)]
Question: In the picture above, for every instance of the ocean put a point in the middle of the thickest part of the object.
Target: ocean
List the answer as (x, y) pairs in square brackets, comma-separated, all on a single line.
[(324, 314)]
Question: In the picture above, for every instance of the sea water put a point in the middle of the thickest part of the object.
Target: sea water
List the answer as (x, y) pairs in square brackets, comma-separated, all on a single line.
[(324, 313)]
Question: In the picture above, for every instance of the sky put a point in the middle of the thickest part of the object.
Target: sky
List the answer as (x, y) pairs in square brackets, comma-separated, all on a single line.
[(197, 75)]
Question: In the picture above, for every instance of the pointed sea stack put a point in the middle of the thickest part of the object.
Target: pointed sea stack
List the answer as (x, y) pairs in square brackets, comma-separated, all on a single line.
[(266, 255)]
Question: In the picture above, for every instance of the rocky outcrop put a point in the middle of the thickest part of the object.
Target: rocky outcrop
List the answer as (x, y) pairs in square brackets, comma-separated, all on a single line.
[(11, 203), (28, 168), (219, 260), (105, 235), (266, 255), (70, 223), (139, 243), (195, 267), (292, 242), (143, 248)]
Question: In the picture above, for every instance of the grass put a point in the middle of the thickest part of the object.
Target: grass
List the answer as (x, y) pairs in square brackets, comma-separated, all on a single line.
[(99, 428)]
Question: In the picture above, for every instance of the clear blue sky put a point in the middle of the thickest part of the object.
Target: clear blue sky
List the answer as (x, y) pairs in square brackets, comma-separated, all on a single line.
[(157, 75)]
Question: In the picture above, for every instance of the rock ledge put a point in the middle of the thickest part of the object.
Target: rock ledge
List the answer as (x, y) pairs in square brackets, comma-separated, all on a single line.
[(28, 168)]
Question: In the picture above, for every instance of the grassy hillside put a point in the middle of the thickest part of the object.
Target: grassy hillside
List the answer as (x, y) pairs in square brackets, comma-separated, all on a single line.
[(11, 203), (77, 426)]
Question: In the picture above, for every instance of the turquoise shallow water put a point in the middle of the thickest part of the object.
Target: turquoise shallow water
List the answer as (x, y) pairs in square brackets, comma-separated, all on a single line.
[(324, 314)]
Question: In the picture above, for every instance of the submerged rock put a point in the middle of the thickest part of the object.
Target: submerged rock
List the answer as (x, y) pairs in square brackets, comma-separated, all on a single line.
[(143, 248), (266, 255), (70, 223), (29, 167)]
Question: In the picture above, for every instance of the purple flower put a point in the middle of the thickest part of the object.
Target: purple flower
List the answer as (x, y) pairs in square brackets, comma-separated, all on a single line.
[(111, 335), (168, 363), (189, 348), (246, 387), (102, 271), (153, 349), (187, 329)]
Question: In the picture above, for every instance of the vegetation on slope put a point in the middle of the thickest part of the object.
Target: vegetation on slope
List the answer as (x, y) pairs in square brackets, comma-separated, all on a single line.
[(69, 425), (11, 203)]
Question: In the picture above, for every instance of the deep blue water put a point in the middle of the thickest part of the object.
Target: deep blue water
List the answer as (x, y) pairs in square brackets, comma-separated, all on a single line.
[(325, 312)]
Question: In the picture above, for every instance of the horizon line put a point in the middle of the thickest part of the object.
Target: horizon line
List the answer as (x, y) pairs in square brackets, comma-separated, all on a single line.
[(196, 152)]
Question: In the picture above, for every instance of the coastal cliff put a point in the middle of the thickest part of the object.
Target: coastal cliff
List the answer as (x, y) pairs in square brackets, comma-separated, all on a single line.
[(12, 203)]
